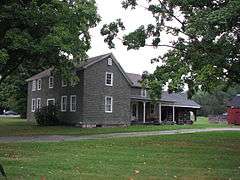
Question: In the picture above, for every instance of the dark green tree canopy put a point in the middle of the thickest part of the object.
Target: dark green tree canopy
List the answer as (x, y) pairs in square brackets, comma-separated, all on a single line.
[(39, 34), (206, 52)]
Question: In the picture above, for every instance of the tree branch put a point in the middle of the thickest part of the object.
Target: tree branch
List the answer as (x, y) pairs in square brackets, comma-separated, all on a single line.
[(170, 13)]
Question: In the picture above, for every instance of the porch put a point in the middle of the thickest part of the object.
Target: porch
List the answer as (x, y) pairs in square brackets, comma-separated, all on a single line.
[(147, 112)]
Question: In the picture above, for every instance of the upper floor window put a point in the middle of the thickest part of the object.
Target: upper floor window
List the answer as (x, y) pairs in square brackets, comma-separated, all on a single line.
[(34, 85), (108, 104), (50, 82), (51, 102), (73, 103), (73, 82), (64, 103), (109, 79), (39, 84), (143, 92), (109, 61), (64, 83), (38, 103), (33, 105)]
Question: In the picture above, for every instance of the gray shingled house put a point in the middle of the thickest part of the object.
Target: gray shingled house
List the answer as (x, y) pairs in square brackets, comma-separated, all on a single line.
[(105, 95)]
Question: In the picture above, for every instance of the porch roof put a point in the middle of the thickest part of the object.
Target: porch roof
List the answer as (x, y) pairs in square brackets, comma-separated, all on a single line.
[(172, 99)]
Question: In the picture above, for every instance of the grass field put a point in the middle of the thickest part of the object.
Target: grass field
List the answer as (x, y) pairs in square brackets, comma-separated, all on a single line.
[(184, 156), (17, 127)]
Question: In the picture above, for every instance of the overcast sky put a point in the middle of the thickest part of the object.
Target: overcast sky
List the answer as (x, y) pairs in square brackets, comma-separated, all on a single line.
[(135, 61)]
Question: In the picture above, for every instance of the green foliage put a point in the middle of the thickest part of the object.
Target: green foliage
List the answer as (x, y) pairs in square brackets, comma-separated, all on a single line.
[(47, 116), (215, 103), (42, 34), (207, 50)]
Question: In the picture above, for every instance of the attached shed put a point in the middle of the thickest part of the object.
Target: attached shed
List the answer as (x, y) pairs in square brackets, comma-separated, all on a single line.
[(234, 110)]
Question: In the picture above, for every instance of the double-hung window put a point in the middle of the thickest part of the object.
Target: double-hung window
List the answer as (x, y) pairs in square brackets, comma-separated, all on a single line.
[(109, 61), (33, 105), (64, 103), (108, 104), (73, 103), (64, 83), (143, 92), (51, 102), (51, 82), (109, 79), (39, 84), (34, 85), (38, 103)]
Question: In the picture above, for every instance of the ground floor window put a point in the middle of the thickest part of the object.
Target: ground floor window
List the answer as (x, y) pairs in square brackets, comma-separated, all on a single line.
[(38, 103), (73, 103), (64, 103), (33, 105), (50, 102), (108, 104)]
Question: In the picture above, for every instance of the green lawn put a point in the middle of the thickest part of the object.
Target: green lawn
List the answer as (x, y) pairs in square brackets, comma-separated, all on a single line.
[(16, 126), (214, 155)]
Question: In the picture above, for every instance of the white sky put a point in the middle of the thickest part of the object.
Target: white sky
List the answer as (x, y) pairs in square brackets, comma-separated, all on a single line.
[(134, 61)]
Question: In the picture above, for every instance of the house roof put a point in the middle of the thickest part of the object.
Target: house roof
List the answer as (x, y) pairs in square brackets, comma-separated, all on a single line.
[(179, 99), (82, 64), (135, 78), (234, 102), (44, 73), (176, 99)]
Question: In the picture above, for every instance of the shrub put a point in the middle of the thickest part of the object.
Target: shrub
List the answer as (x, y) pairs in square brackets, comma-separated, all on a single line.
[(47, 116)]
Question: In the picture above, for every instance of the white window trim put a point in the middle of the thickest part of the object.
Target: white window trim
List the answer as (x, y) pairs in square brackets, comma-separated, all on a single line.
[(71, 108), (39, 84), (52, 99), (73, 83), (143, 92), (38, 100), (111, 79), (109, 61), (33, 105), (64, 85), (49, 84), (34, 85), (63, 110), (106, 111)]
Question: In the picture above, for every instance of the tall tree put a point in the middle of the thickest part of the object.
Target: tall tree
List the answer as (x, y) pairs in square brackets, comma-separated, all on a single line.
[(206, 51), (215, 103), (41, 34)]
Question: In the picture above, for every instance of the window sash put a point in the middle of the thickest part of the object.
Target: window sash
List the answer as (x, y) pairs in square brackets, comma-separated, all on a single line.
[(64, 103), (34, 85), (64, 83), (73, 103), (109, 61), (108, 104), (38, 103), (143, 92), (39, 84), (33, 105), (53, 100), (109, 79), (50, 82)]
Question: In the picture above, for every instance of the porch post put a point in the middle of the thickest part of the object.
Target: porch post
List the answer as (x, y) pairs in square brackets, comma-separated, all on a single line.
[(174, 114), (160, 112), (144, 111)]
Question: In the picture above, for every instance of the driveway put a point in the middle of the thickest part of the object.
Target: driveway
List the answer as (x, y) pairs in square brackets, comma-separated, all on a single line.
[(59, 138)]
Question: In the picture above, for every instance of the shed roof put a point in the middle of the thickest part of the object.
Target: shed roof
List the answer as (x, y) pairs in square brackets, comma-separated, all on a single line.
[(234, 102)]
